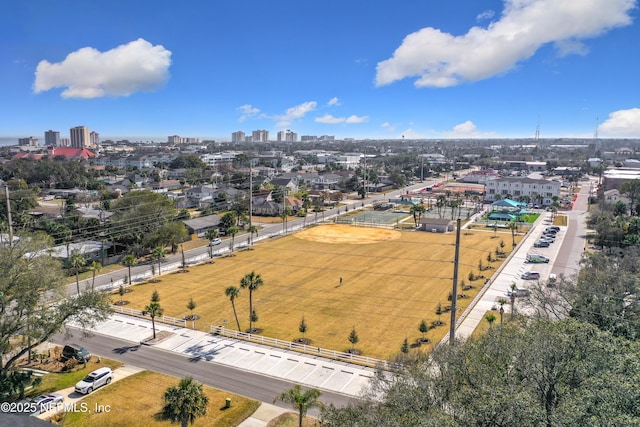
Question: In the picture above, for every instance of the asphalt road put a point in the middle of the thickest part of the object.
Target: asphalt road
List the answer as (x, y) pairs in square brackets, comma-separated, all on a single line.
[(255, 386)]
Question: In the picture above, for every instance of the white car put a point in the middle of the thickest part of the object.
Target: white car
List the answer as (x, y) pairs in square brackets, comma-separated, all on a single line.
[(46, 402), (215, 242), (95, 379)]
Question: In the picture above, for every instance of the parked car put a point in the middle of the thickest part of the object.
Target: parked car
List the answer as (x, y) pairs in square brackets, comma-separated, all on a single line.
[(518, 292), (215, 242), (46, 402), (537, 259), (530, 275), (552, 228), (74, 351), (95, 379), (541, 244)]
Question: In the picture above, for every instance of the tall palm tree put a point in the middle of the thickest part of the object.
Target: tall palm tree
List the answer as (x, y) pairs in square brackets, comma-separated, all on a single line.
[(251, 281), (233, 230), (185, 402), (212, 234), (153, 310), (159, 253), (129, 261), (77, 261), (253, 230), (233, 292), (95, 268), (301, 400)]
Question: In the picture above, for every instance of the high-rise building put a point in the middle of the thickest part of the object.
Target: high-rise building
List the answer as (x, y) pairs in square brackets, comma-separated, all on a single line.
[(95, 139), (260, 136), (287, 136), (52, 138), (65, 142), (174, 139), (80, 137), (237, 137)]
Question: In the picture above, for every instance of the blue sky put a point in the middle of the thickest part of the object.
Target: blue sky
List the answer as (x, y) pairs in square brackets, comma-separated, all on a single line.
[(349, 68)]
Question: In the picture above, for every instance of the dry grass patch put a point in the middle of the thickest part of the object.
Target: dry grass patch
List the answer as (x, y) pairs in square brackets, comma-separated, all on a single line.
[(290, 419), (137, 400), (388, 287)]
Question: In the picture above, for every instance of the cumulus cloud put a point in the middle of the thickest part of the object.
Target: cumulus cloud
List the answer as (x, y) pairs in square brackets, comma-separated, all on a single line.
[(137, 66), (621, 124), (467, 130), (247, 111), (296, 112), (439, 59), (329, 119), (333, 102)]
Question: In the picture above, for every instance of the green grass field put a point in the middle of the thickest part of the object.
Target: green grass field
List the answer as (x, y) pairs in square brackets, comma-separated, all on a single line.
[(388, 287)]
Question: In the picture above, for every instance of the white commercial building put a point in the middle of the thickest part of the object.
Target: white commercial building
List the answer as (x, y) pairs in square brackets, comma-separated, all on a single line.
[(522, 189)]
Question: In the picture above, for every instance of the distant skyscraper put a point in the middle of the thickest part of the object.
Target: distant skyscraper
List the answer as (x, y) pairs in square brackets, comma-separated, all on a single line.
[(287, 136), (260, 136), (95, 139), (65, 142), (80, 137), (52, 138), (237, 137), (174, 139)]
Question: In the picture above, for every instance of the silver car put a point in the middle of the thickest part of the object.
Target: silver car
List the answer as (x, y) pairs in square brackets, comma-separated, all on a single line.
[(95, 379)]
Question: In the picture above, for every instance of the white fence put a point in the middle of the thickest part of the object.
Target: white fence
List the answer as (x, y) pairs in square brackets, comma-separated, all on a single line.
[(137, 313), (300, 348)]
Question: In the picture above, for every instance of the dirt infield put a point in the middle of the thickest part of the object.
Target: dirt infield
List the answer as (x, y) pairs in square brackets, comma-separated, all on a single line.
[(348, 234)]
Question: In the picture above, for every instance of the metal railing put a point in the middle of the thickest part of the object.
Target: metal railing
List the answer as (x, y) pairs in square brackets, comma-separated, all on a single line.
[(162, 319), (311, 350)]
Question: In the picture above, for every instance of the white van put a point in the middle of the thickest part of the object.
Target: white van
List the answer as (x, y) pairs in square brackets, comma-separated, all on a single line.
[(531, 275)]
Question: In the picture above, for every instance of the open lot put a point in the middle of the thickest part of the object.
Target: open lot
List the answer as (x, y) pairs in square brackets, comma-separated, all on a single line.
[(391, 280)]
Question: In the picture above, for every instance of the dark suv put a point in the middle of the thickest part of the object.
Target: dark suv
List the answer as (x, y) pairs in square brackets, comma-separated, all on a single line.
[(74, 351)]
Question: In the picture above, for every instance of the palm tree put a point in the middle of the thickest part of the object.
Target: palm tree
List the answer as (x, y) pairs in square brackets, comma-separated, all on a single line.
[(185, 402), (212, 234), (153, 310), (502, 302), (158, 253), (513, 226), (233, 230), (301, 400), (233, 292), (129, 261), (95, 268), (77, 261), (251, 281), (490, 318), (253, 230)]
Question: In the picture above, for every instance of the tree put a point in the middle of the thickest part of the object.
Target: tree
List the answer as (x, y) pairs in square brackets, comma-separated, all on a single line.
[(233, 292), (77, 261), (404, 348), (353, 339), (227, 221), (302, 327), (631, 189), (439, 313), (153, 310), (301, 399), (95, 268), (191, 305), (252, 282), (490, 318), (211, 235), (185, 402), (423, 328), (253, 230), (158, 253), (233, 230), (129, 261), (121, 292), (33, 306)]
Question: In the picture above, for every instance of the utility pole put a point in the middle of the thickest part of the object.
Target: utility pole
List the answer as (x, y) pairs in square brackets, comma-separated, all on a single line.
[(9, 223), (250, 203), (454, 292)]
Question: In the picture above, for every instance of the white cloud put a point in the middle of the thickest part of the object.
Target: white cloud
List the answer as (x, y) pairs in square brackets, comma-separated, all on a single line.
[(294, 113), (88, 73), (388, 126), (247, 111), (334, 102), (411, 134), (467, 130), (622, 124), (487, 14), (329, 119), (440, 59)]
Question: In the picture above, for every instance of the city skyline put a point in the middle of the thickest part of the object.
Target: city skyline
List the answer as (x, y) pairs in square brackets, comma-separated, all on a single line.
[(413, 70)]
